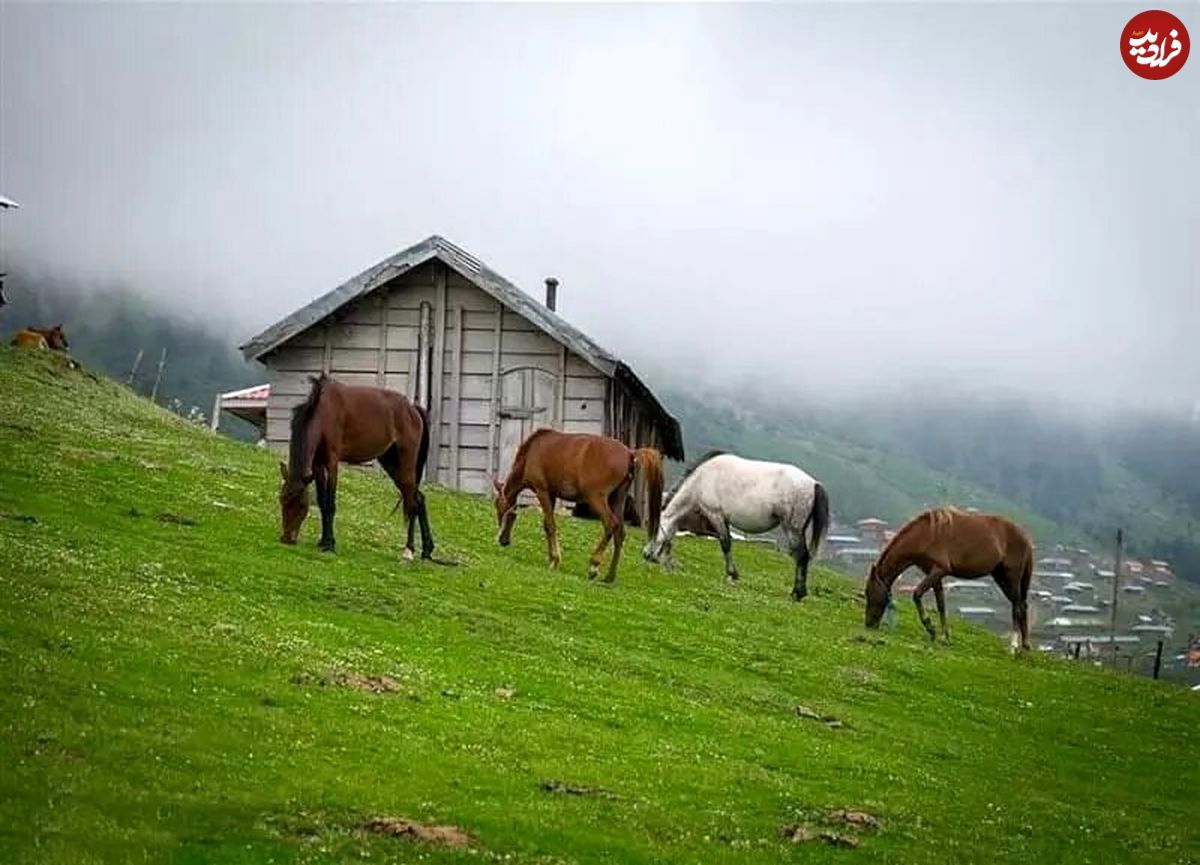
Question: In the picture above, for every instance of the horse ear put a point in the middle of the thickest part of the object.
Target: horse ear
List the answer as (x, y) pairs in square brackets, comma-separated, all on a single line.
[(283, 471)]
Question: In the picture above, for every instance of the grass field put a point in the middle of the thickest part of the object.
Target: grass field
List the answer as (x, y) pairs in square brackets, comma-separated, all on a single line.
[(180, 687)]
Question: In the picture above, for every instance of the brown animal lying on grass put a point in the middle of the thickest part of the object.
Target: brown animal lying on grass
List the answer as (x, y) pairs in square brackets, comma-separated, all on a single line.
[(53, 338)]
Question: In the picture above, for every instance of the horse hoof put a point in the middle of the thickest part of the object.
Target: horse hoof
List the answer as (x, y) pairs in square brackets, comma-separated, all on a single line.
[(407, 555)]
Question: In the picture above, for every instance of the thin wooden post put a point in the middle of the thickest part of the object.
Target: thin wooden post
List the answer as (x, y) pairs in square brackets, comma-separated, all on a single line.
[(437, 387), (1120, 563), (216, 415), (560, 419), (162, 361), (1158, 658), (493, 457), (137, 361), (456, 396), (381, 363)]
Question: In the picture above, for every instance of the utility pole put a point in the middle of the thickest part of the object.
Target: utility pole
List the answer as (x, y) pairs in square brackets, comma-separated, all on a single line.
[(1120, 563), (137, 361), (162, 361)]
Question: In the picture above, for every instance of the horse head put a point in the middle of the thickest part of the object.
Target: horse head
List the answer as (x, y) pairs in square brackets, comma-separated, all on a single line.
[(56, 338), (293, 505), (506, 513), (878, 596)]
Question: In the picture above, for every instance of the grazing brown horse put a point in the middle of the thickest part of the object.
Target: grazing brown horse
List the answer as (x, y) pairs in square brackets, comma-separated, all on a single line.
[(578, 467), (353, 424), (948, 542), (42, 337)]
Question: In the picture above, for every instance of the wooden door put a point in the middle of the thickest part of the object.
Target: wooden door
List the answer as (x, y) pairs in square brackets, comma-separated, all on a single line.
[(527, 402)]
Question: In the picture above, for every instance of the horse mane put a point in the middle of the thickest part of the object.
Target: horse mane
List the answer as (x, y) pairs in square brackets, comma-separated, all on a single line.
[(934, 517), (538, 433), (675, 487), (301, 415)]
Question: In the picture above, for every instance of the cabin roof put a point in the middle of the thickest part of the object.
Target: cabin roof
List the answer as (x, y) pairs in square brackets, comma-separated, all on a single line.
[(491, 283)]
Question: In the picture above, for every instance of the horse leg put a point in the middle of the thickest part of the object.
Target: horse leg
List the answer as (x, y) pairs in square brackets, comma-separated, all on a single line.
[(327, 542), (617, 501), (546, 500), (1000, 575), (939, 594), (726, 540), (321, 482), (423, 518), (931, 579), (390, 460), (599, 506), (800, 554)]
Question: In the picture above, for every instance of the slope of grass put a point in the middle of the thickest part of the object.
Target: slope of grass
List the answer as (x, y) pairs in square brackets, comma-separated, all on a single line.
[(170, 690)]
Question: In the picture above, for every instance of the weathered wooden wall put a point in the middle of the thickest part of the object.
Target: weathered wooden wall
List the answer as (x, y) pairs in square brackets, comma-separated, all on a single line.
[(487, 375)]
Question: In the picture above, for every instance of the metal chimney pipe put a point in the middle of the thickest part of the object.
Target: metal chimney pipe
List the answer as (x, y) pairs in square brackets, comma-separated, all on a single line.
[(551, 293)]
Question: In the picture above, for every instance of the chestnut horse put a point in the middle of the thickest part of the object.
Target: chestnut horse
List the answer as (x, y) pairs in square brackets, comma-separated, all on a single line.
[(353, 424), (42, 337), (948, 542), (579, 467)]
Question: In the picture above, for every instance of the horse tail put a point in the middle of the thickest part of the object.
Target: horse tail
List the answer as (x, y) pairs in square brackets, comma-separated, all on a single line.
[(423, 447), (819, 516), (300, 450), (650, 462), (1023, 594)]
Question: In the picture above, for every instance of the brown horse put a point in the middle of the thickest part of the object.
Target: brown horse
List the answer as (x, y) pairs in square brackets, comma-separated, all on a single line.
[(353, 424), (948, 542), (42, 337), (578, 467)]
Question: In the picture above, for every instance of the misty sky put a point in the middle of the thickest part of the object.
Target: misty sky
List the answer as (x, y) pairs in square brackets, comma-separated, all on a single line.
[(834, 197)]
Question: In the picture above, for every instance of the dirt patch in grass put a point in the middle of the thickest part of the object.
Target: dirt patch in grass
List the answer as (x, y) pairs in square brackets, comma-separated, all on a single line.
[(20, 518), (798, 833), (356, 681), (562, 788), (813, 715), (402, 827), (834, 829), (860, 819)]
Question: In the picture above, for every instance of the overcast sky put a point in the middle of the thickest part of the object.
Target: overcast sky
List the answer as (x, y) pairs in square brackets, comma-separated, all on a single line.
[(833, 196)]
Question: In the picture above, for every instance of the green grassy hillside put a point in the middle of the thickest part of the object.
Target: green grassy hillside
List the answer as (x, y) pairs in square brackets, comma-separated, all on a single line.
[(182, 688)]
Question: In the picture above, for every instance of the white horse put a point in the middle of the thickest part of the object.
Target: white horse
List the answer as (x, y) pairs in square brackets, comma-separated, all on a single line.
[(753, 497)]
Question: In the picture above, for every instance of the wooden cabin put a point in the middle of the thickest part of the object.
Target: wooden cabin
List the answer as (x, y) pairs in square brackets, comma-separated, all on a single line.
[(490, 363)]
